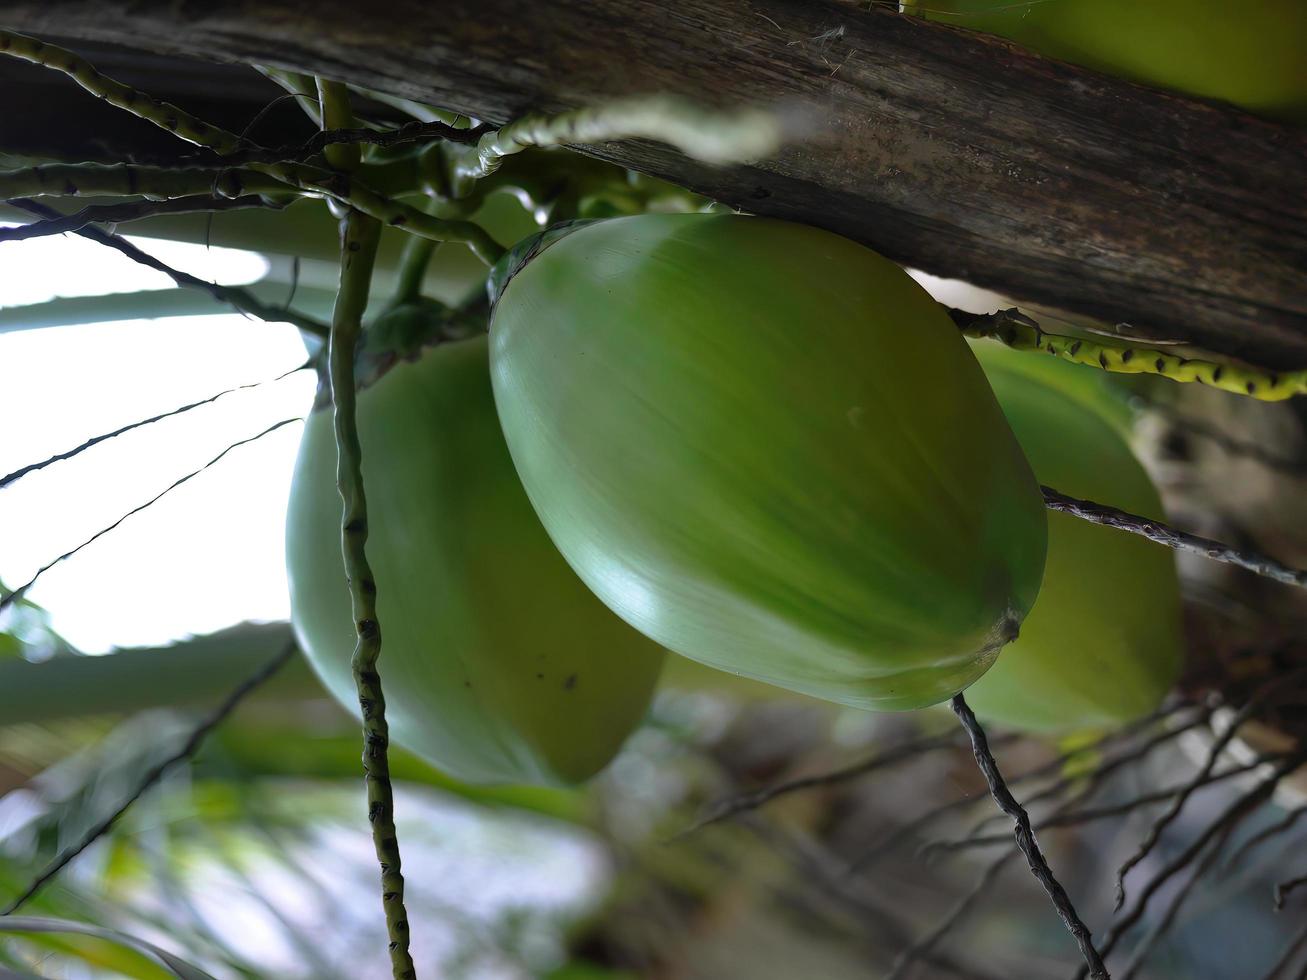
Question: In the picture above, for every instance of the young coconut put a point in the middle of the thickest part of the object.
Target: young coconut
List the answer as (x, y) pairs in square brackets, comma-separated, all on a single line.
[(1103, 643), (499, 665), (770, 450)]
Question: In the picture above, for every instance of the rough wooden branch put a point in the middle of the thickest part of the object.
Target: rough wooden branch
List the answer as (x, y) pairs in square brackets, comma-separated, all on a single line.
[(953, 153)]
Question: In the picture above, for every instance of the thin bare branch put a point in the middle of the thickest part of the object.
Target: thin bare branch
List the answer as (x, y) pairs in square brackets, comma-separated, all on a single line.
[(1025, 838), (751, 801), (1285, 888), (1229, 819), (241, 299), (1163, 925), (130, 211), (1264, 694), (1172, 537), (1274, 830), (929, 941), (22, 471), (1092, 780), (1286, 957), (921, 821), (16, 594), (1070, 818)]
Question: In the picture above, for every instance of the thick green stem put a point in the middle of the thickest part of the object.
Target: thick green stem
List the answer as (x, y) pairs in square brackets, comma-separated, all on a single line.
[(333, 97), (716, 137), (360, 235), (1019, 332), (413, 269)]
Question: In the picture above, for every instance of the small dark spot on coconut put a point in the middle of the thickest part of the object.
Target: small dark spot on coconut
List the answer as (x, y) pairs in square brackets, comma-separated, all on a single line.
[(570, 683), (1126, 355), (1252, 386), (1160, 364), (540, 677), (1217, 372)]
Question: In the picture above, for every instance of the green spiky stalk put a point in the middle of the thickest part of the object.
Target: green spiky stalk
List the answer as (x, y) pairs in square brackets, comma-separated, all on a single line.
[(360, 235), (132, 180), (359, 247), (336, 114), (170, 117), (335, 186), (715, 137), (162, 183), (1019, 332)]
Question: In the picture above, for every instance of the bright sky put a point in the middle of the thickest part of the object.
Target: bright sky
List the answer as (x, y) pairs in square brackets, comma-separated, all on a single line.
[(210, 553)]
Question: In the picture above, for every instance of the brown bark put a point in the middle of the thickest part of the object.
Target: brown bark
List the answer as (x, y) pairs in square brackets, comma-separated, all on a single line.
[(957, 154)]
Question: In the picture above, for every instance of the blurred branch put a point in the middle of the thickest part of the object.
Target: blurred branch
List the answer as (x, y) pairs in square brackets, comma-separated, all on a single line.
[(188, 749), (1230, 818), (751, 801), (192, 671), (1267, 692), (1164, 534)]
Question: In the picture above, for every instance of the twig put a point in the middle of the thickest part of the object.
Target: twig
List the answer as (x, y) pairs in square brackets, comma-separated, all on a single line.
[(928, 942), (752, 801), (917, 824), (1284, 888), (188, 749), (1163, 925), (16, 594), (1266, 691), (1291, 950), (1230, 818), (816, 868), (241, 299), (1025, 839), (115, 213), (1275, 829), (360, 235), (1076, 818), (96, 440), (1093, 780), (1173, 538)]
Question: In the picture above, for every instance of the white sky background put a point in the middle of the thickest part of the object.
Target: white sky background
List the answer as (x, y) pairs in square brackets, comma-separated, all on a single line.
[(207, 555)]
